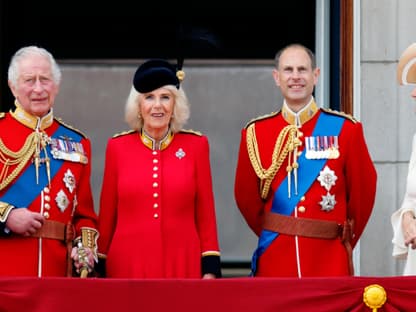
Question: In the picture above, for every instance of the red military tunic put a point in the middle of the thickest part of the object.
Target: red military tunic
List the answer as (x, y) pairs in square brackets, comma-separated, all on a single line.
[(157, 215), (67, 198), (353, 191)]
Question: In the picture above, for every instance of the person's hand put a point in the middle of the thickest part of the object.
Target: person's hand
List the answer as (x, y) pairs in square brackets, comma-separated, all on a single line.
[(208, 276), (409, 229), (83, 258), (24, 222)]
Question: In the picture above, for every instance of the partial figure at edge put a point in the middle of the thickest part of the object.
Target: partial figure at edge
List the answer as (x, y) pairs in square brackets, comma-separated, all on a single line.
[(403, 220)]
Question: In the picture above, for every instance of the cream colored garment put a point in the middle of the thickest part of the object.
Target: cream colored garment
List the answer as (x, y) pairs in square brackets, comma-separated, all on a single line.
[(409, 204)]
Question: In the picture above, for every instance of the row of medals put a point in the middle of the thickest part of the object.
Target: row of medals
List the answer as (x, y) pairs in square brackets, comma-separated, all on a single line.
[(324, 147), (321, 147)]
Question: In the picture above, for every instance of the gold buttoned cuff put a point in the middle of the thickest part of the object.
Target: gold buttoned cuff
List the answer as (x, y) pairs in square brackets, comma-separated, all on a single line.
[(5, 209), (89, 237)]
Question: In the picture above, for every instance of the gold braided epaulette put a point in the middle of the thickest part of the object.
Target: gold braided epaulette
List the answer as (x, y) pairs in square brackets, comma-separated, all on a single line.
[(70, 127), (190, 131), (338, 113), (2, 114), (272, 114), (123, 133)]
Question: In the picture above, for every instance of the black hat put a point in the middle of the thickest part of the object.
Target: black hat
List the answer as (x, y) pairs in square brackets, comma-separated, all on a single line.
[(153, 74)]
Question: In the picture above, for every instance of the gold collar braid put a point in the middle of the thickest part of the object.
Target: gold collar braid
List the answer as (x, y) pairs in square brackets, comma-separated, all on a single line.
[(154, 144), (33, 145), (31, 121), (287, 143)]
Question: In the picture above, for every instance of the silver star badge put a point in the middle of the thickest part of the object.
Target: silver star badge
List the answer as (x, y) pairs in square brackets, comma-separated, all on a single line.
[(180, 153), (62, 200), (69, 180), (327, 178), (328, 202)]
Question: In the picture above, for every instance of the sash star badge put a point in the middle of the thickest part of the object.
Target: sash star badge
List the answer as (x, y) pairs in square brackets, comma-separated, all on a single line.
[(328, 202), (327, 178), (69, 180), (62, 200)]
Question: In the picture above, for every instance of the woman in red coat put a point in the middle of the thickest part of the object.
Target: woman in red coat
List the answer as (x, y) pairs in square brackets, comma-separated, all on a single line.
[(157, 213)]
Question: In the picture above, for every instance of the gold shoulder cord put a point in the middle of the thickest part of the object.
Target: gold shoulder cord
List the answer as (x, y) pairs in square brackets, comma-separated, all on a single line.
[(287, 141), (9, 158)]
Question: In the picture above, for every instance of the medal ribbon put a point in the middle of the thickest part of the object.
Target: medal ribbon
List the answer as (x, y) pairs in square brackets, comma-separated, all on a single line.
[(23, 191), (327, 124)]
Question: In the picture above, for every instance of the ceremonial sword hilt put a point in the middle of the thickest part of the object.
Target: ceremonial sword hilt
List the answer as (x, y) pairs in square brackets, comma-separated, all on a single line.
[(83, 260)]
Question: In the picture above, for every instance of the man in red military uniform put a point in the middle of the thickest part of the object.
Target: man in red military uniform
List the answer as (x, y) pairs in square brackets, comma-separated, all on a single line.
[(45, 193), (305, 182)]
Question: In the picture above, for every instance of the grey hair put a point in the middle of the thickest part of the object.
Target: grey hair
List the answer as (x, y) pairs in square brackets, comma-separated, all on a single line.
[(181, 109), (296, 45), (14, 70)]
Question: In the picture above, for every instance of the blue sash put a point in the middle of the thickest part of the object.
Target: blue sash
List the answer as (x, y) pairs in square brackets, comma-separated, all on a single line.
[(327, 124), (24, 190)]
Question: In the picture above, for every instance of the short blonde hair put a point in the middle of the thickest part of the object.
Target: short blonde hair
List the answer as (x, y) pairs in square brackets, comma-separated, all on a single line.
[(181, 109)]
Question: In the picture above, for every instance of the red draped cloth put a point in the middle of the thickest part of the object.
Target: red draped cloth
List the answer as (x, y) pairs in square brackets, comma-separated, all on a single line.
[(227, 294)]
